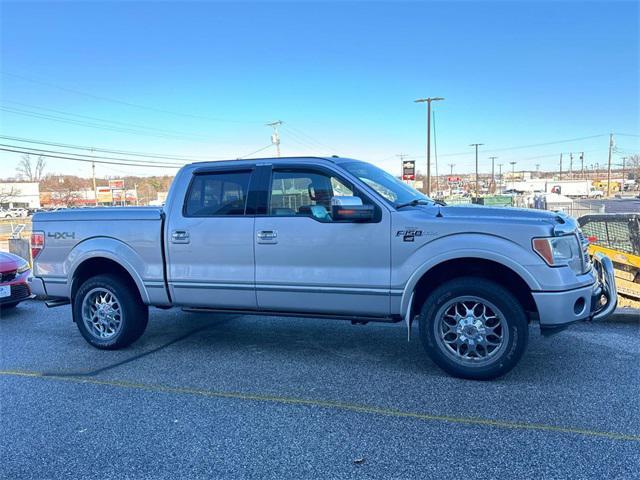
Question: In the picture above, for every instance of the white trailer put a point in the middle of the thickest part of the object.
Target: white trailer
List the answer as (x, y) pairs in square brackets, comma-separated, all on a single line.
[(574, 188)]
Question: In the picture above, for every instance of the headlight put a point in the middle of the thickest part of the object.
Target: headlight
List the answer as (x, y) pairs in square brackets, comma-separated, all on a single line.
[(23, 268), (560, 251)]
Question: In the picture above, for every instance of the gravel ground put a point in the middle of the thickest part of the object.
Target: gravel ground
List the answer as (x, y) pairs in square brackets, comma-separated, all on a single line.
[(214, 396)]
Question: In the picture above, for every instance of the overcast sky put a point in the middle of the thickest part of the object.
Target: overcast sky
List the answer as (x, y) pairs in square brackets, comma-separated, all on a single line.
[(342, 76)]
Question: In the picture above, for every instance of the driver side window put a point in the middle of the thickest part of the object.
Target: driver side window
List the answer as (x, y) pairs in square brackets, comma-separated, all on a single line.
[(307, 193)]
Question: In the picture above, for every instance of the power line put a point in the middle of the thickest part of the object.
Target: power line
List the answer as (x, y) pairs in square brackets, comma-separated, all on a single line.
[(144, 162), (47, 155), (308, 137), (257, 151), (518, 147), (44, 116), (115, 122), (104, 150), (128, 104)]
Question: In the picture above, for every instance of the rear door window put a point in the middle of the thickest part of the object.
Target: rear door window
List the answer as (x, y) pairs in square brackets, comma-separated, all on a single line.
[(217, 194)]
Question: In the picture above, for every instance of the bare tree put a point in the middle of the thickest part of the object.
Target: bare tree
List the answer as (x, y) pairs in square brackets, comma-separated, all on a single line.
[(29, 170), (6, 194)]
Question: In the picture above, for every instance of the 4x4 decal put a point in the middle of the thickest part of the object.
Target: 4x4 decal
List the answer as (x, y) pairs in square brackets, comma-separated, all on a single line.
[(62, 235)]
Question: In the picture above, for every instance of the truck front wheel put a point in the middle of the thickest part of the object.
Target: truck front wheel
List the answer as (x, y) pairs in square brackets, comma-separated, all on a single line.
[(109, 313), (473, 328)]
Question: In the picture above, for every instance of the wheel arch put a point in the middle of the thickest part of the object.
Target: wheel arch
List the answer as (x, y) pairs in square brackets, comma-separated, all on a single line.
[(469, 266), (105, 256)]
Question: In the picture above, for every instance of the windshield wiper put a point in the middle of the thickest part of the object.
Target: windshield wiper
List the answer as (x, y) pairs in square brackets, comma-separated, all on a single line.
[(414, 202)]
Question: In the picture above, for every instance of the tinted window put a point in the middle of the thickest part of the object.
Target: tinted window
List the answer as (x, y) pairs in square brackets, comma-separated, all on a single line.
[(305, 193), (215, 194)]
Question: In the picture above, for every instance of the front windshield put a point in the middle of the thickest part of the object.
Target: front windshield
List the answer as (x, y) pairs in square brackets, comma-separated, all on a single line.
[(389, 187)]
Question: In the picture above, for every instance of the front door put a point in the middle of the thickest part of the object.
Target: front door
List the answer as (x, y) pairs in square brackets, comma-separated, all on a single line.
[(306, 261), (210, 243)]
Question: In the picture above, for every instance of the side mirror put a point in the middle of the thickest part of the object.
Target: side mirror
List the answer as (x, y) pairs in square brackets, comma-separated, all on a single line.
[(351, 208)]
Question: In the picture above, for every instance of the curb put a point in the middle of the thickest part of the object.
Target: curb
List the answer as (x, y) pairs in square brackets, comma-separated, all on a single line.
[(625, 315)]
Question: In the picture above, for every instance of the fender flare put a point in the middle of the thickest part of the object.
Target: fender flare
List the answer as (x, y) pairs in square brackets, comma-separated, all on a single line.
[(110, 249), (478, 251)]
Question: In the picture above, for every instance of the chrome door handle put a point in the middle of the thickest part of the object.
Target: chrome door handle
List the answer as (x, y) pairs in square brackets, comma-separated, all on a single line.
[(267, 236), (180, 236)]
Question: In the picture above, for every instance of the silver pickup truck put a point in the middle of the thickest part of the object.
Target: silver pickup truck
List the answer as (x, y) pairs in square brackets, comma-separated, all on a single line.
[(324, 238)]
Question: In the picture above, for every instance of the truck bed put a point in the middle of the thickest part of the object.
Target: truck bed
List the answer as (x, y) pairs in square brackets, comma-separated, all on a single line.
[(131, 236)]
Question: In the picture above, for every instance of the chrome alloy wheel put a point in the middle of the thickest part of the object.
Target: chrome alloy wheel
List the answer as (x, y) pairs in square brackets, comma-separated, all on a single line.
[(471, 331), (102, 313)]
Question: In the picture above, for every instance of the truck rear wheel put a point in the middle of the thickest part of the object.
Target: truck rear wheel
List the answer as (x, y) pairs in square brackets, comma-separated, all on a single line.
[(109, 313), (473, 328)]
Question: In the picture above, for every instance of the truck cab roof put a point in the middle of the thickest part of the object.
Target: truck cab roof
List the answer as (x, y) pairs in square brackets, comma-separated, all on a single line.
[(254, 161)]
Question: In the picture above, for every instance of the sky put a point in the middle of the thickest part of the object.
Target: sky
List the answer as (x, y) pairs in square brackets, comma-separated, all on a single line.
[(199, 80)]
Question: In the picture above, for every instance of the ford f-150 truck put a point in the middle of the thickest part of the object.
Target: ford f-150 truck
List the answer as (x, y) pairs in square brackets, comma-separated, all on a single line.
[(324, 238)]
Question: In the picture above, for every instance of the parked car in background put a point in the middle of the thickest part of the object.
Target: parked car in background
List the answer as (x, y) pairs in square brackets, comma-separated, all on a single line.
[(13, 213), (14, 288)]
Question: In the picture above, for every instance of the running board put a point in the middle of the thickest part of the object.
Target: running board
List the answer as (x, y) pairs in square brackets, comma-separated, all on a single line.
[(57, 302), (355, 319)]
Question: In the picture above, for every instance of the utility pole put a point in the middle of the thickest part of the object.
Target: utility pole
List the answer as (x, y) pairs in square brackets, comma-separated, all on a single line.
[(537, 170), (513, 174), (571, 165), (609, 167), (275, 138), (560, 176), (93, 172), (428, 101), (435, 152), (493, 174), (476, 145), (500, 172), (451, 165), (624, 172), (582, 165)]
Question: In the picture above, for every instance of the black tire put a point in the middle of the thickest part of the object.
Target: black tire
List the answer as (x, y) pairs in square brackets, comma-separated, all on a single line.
[(8, 306), (134, 313), (513, 315)]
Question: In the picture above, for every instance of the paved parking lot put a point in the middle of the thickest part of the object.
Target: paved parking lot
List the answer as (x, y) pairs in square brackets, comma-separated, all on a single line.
[(219, 396)]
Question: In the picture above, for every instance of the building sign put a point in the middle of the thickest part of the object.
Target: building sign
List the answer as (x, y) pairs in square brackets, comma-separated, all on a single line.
[(125, 195), (409, 170), (104, 195), (116, 184), (454, 179)]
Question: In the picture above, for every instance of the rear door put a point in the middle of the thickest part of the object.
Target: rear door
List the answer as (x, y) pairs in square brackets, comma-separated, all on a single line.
[(210, 242), (306, 262)]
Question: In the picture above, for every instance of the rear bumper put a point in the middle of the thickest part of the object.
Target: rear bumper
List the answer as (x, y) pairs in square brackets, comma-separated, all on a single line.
[(37, 286), (592, 302)]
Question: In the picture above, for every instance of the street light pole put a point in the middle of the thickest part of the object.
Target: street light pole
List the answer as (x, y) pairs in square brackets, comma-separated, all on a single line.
[(476, 145), (513, 174), (428, 101)]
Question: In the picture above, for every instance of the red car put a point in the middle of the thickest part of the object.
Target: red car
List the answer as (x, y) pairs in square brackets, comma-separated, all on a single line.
[(13, 280)]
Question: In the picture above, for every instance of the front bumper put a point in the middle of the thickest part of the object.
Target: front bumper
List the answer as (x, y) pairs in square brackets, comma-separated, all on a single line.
[(19, 292), (592, 302)]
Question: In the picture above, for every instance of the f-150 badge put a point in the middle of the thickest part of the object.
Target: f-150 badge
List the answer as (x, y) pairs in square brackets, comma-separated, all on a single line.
[(409, 234)]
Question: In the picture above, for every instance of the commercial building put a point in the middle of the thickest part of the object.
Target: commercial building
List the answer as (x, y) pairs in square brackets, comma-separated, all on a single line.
[(20, 195)]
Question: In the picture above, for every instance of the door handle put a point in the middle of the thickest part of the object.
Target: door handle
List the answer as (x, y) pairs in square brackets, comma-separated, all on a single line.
[(180, 236), (267, 236)]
